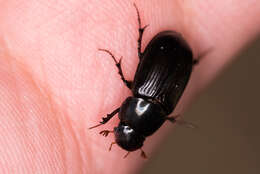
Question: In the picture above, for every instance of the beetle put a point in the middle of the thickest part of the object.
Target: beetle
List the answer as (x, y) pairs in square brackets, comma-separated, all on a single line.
[(162, 74)]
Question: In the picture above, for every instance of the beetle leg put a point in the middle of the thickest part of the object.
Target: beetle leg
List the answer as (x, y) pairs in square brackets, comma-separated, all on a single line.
[(110, 147), (200, 56), (126, 154), (143, 153), (109, 116), (181, 122), (106, 119), (126, 82), (105, 132), (118, 65), (141, 32), (195, 62), (171, 119)]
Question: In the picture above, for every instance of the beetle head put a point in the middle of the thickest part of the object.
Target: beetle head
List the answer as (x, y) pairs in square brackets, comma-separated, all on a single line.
[(127, 138)]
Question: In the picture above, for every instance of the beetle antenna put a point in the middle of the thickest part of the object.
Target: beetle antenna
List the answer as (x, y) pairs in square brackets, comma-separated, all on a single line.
[(126, 154)]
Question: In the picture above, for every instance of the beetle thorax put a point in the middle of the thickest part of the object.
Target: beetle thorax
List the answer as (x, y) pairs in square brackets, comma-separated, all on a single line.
[(141, 115)]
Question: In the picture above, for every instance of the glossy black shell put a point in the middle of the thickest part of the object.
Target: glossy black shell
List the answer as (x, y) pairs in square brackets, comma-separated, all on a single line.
[(164, 70), (141, 115), (160, 79)]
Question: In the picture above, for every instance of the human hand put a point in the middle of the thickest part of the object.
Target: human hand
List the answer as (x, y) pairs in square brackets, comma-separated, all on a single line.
[(55, 84)]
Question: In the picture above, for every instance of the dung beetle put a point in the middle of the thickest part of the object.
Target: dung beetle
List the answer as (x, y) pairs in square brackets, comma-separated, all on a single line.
[(162, 74)]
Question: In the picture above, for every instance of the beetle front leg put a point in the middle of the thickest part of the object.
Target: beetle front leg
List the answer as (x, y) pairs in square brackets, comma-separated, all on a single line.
[(105, 132), (107, 118), (118, 65), (141, 32)]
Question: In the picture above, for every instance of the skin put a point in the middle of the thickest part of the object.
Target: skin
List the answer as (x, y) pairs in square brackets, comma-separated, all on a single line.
[(55, 84)]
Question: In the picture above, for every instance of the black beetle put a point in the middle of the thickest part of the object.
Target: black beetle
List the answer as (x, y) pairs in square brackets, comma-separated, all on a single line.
[(162, 74)]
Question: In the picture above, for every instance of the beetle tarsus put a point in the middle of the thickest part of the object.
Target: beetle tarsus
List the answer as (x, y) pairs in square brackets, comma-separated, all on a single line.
[(105, 132)]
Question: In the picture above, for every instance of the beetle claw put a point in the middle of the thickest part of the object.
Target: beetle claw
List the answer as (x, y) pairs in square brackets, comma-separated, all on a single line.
[(105, 132)]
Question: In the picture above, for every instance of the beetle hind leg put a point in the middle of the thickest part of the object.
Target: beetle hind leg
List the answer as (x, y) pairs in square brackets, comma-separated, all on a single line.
[(141, 32), (118, 65)]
